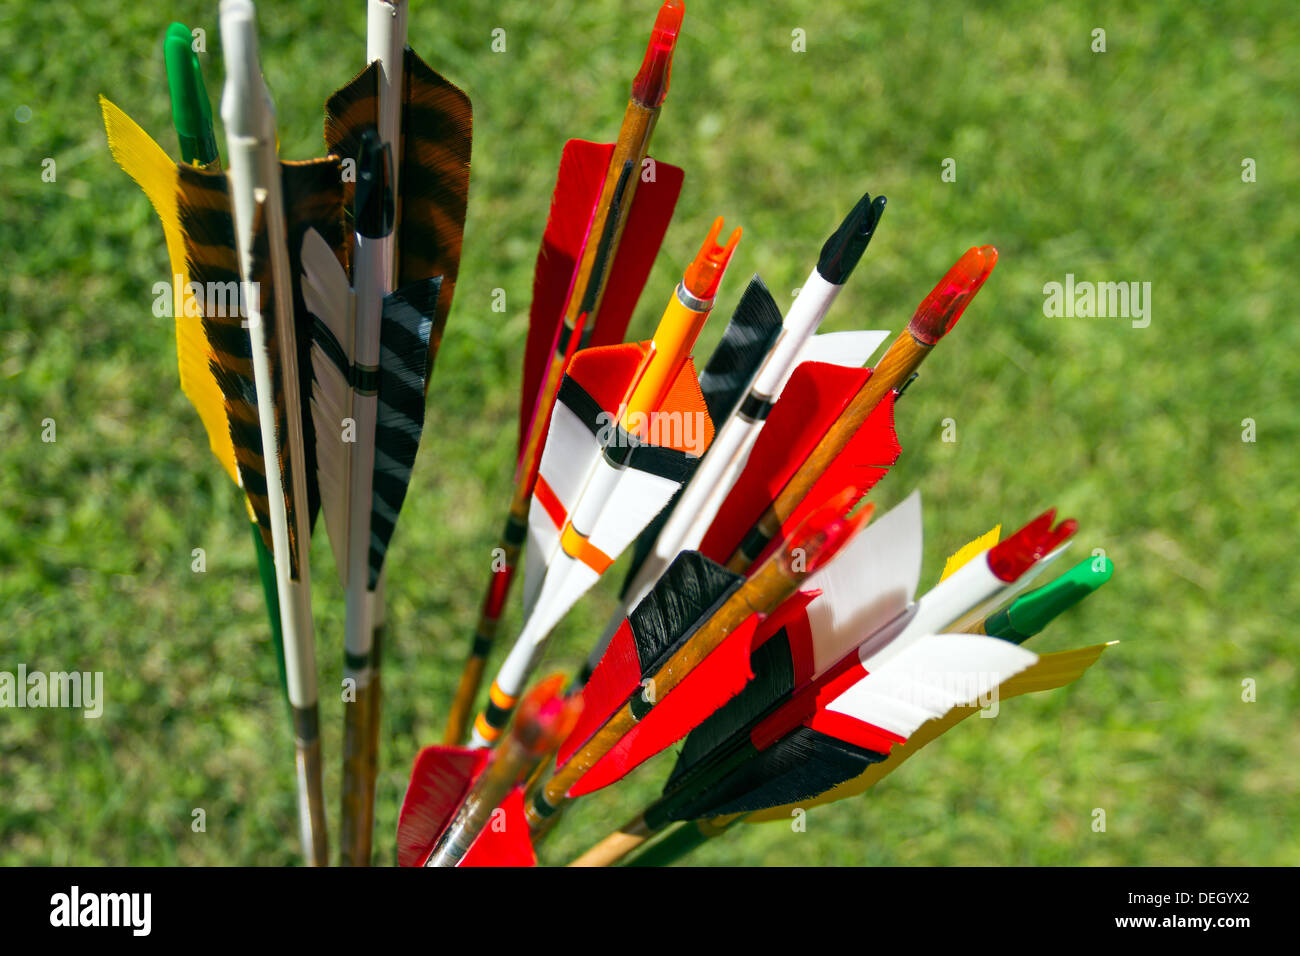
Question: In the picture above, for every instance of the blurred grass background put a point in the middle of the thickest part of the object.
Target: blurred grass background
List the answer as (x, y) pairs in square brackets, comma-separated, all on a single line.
[(1116, 166)]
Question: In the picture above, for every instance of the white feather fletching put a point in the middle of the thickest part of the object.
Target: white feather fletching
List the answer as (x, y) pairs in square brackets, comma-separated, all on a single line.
[(567, 460), (867, 585), (928, 678), (850, 349), (329, 298)]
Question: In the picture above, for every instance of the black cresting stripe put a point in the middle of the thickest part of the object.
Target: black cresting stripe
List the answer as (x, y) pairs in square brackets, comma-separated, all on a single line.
[(541, 806), (754, 543), (306, 723), (601, 261), (619, 451), (365, 379), (638, 705), (496, 717), (755, 407), (516, 532), (355, 662), (562, 344), (664, 462), (482, 646)]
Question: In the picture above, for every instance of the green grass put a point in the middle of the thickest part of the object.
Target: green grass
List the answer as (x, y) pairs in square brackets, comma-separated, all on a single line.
[(1117, 166)]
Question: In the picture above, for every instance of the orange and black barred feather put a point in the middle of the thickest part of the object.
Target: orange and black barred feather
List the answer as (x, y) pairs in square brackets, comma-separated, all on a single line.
[(207, 224), (313, 198), (433, 184), (437, 129)]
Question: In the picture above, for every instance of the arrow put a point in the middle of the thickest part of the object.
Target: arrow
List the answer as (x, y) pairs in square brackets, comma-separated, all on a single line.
[(430, 175), (865, 586), (252, 219), (807, 721), (455, 792), (627, 422), (427, 123), (684, 523), (370, 359), (192, 118), (609, 211)]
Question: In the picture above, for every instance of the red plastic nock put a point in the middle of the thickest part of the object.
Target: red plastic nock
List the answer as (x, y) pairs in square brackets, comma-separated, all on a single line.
[(704, 275), (651, 83), (941, 309), (547, 715), (824, 532), (1018, 553)]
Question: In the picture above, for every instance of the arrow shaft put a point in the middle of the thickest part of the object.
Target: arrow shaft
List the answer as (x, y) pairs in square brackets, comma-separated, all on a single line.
[(254, 169), (581, 314)]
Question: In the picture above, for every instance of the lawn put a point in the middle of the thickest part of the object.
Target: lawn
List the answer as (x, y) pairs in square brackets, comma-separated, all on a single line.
[(1123, 165)]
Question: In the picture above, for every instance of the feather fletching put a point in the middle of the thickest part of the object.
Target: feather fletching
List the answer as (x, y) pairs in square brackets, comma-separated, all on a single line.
[(153, 170)]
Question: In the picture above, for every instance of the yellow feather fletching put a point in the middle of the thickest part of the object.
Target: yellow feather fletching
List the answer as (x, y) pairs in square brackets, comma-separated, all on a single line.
[(154, 172), (963, 554), (1051, 671)]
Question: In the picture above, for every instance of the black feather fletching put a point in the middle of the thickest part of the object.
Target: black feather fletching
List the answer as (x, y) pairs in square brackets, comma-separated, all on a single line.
[(802, 765), (772, 684), (405, 326), (685, 597), (748, 338)]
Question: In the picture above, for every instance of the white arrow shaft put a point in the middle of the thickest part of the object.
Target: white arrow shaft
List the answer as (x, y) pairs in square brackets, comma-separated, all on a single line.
[(255, 173)]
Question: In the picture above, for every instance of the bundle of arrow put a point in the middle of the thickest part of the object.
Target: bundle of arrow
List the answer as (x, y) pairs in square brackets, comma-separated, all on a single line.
[(764, 621)]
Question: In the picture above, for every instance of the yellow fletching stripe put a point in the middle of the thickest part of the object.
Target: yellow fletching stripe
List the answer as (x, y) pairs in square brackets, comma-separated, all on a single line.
[(153, 170), (963, 554), (1050, 671)]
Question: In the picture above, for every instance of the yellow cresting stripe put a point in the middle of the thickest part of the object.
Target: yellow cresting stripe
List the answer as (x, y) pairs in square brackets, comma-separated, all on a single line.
[(580, 549)]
